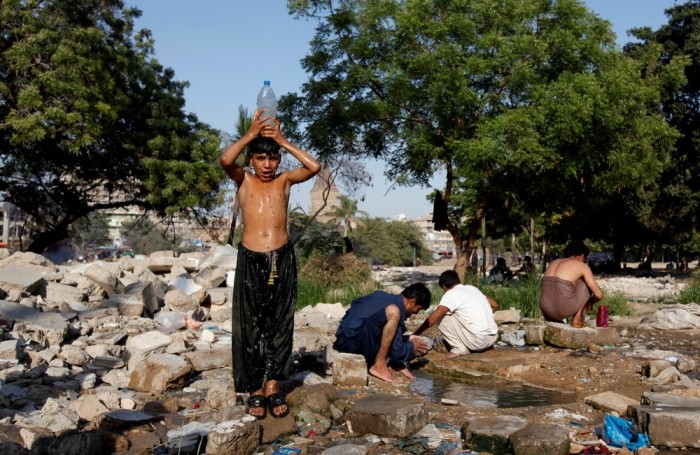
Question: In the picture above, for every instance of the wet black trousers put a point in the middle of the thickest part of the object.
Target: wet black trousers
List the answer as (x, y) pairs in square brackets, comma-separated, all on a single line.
[(264, 299)]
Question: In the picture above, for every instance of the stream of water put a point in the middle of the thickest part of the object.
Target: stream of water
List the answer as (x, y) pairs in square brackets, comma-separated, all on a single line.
[(486, 394)]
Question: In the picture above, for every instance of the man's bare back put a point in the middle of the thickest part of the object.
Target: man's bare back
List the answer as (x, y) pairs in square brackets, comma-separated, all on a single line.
[(574, 269)]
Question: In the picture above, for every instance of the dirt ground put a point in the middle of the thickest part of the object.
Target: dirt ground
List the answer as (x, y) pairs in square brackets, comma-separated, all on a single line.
[(579, 372)]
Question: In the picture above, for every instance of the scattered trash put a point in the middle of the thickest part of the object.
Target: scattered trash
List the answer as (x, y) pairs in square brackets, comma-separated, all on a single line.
[(620, 432)]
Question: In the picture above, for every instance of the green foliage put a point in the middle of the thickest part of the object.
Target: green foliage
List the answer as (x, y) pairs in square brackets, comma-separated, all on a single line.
[(146, 237), (395, 243), (92, 121), (334, 278), (673, 217), (311, 293), (318, 239), (617, 304), (523, 295), (691, 293), (527, 105), (92, 230)]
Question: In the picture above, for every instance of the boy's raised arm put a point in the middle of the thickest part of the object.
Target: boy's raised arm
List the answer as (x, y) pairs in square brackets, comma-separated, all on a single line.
[(232, 152)]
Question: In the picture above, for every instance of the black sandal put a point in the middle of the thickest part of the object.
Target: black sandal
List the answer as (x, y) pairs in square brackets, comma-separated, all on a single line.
[(257, 401), (274, 400)]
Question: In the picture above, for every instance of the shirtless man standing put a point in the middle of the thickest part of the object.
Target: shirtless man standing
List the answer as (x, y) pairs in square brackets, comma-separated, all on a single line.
[(568, 287), (265, 285)]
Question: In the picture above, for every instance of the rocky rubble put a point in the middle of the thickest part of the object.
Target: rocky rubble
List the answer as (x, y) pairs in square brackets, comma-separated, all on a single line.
[(134, 357)]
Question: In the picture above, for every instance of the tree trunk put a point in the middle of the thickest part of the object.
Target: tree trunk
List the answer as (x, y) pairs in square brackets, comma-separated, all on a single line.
[(234, 218)]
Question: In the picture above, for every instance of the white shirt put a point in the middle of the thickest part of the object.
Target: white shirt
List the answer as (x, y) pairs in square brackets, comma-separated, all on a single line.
[(470, 305)]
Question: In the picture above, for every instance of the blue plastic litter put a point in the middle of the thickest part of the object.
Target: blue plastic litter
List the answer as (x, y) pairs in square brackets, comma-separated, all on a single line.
[(620, 432)]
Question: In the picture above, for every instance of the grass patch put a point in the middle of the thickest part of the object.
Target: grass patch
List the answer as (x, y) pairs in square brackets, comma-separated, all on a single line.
[(691, 293), (311, 292), (617, 304), (523, 295), (332, 279)]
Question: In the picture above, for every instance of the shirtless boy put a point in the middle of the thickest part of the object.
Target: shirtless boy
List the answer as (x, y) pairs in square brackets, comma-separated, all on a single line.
[(568, 287), (265, 285)]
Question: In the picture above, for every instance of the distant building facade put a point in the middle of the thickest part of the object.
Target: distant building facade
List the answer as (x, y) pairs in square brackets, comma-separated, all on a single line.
[(11, 224), (440, 242)]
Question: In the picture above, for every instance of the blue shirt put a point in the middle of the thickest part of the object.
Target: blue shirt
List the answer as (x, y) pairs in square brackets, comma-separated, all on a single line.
[(361, 329)]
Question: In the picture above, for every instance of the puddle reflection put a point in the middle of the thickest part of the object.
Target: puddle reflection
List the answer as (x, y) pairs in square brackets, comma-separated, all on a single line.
[(486, 395)]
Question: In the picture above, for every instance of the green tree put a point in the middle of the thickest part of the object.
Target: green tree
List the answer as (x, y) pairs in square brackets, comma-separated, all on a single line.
[(345, 214), (315, 239), (91, 231), (146, 237), (674, 215), (92, 121), (395, 243), (523, 103), (242, 125)]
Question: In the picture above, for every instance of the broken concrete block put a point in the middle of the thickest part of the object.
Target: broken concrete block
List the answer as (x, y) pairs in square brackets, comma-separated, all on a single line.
[(239, 436), (565, 336), (160, 372), (538, 439), (388, 415), (209, 359), (492, 433), (20, 278), (44, 328), (669, 426), (610, 401), (139, 346), (348, 369), (103, 278)]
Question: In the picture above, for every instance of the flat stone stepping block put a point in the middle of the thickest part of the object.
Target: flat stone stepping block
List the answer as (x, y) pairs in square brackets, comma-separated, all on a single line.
[(388, 415), (492, 433), (565, 336), (537, 439)]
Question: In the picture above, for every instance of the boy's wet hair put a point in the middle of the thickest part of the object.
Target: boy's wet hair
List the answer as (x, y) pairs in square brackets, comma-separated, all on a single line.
[(264, 145)]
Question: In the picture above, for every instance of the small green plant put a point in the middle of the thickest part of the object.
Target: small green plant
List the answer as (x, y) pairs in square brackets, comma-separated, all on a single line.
[(617, 304), (691, 293), (523, 295)]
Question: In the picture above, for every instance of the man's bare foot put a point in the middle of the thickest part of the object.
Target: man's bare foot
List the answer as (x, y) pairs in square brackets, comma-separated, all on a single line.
[(382, 373), (406, 372)]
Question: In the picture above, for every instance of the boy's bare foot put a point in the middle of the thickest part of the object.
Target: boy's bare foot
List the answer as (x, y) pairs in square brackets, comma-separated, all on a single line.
[(382, 373), (257, 405), (276, 400)]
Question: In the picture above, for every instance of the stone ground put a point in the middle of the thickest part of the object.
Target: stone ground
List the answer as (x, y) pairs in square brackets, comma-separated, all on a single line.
[(112, 322), (580, 372)]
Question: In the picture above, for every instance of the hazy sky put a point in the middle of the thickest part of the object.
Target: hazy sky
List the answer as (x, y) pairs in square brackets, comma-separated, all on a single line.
[(226, 48)]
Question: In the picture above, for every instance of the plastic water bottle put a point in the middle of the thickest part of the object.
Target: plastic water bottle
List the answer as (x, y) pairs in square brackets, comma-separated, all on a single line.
[(602, 316), (268, 102)]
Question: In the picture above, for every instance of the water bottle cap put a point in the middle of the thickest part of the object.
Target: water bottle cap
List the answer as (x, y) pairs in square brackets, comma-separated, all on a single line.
[(266, 82)]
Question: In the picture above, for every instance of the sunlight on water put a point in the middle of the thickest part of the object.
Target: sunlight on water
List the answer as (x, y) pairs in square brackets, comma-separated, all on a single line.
[(486, 395)]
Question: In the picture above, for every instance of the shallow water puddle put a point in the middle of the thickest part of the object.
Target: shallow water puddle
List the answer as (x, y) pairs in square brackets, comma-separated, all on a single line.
[(484, 393)]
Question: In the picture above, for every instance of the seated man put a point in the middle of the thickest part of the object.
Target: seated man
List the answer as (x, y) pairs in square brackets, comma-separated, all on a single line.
[(465, 317), (527, 269), (567, 285), (374, 326), (500, 272)]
